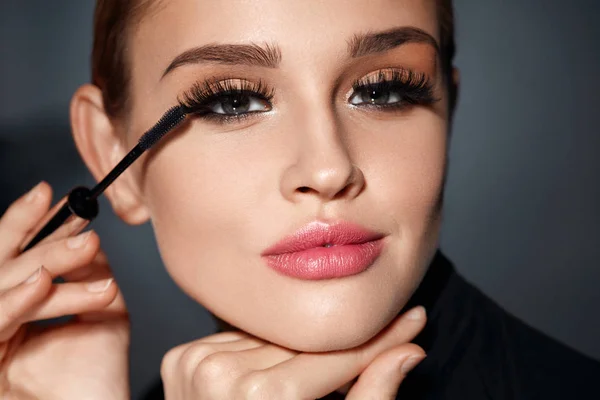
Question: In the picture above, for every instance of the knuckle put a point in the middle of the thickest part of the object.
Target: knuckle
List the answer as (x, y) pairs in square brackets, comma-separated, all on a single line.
[(165, 368), (216, 367), (193, 355), (260, 385), (170, 362)]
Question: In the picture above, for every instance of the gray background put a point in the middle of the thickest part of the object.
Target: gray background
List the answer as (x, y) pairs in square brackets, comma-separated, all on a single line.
[(522, 218)]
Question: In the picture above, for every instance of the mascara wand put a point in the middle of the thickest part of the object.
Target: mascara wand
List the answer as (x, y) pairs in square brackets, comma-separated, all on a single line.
[(83, 202)]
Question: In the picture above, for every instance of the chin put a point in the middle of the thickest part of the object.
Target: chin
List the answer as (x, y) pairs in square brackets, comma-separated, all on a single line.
[(334, 340), (322, 333)]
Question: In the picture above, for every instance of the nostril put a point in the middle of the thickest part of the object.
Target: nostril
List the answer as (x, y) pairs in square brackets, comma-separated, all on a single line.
[(303, 189)]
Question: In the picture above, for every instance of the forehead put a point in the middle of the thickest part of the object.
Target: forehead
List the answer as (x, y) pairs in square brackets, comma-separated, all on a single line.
[(281, 12), (300, 28)]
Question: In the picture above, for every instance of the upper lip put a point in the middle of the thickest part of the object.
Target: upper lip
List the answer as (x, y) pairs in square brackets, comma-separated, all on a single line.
[(317, 234)]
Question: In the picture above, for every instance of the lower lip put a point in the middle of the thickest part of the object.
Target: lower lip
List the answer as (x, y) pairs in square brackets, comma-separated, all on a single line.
[(327, 262)]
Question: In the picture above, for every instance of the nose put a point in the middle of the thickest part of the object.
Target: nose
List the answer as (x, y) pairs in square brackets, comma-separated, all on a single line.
[(322, 167)]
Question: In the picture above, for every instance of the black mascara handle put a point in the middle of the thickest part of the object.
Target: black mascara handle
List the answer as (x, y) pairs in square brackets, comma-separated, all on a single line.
[(83, 202), (78, 203)]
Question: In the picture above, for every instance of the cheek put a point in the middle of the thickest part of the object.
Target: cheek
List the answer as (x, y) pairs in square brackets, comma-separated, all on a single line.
[(210, 196), (200, 202), (405, 172)]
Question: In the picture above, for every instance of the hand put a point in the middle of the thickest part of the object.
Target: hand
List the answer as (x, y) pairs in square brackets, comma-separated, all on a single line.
[(83, 358), (235, 365)]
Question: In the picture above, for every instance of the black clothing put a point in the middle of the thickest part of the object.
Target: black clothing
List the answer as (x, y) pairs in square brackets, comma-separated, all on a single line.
[(476, 350)]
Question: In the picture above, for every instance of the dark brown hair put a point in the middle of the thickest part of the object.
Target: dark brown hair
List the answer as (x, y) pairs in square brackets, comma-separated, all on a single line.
[(114, 19)]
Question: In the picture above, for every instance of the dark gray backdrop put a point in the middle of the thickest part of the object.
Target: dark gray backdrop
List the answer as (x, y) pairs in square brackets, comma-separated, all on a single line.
[(523, 190)]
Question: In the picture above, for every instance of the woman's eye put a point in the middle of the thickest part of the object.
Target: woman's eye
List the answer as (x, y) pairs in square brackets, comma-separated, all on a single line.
[(377, 95), (239, 103)]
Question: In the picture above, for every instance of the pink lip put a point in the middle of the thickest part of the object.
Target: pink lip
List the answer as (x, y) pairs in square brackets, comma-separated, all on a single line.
[(303, 254)]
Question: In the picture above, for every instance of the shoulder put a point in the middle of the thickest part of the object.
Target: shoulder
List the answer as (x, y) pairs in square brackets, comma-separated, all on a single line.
[(520, 361), (549, 367)]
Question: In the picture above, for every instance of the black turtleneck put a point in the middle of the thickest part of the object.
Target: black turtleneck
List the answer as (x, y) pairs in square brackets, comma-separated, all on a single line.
[(476, 350)]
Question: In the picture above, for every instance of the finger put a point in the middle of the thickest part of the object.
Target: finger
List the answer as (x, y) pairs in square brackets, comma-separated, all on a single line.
[(185, 358), (217, 375), (316, 375), (223, 337), (15, 302), (382, 378), (74, 298), (96, 270), (263, 357), (70, 227), (21, 217), (57, 257), (115, 309)]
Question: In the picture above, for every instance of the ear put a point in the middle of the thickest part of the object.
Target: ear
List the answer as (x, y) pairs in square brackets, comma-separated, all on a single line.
[(100, 142)]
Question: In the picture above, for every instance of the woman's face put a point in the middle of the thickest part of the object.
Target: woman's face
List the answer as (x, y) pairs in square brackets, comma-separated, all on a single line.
[(335, 125)]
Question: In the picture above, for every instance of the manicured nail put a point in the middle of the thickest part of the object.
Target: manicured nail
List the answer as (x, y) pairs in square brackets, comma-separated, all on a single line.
[(416, 314), (34, 277), (33, 193), (78, 241), (99, 286), (410, 363)]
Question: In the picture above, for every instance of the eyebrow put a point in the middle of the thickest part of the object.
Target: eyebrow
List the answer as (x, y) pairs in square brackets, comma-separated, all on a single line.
[(269, 55), (376, 42)]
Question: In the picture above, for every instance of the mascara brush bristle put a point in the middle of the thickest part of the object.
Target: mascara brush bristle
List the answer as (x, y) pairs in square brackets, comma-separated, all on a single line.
[(173, 117)]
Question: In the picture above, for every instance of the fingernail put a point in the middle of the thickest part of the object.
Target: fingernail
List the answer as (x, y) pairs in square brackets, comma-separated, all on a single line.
[(99, 286), (416, 314), (78, 241), (410, 363), (33, 193), (34, 277)]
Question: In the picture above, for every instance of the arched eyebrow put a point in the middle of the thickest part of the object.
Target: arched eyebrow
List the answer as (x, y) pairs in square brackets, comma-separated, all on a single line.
[(269, 55), (364, 44)]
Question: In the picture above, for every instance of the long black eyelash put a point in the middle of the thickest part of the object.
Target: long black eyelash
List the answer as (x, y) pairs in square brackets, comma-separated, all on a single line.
[(201, 95), (415, 88)]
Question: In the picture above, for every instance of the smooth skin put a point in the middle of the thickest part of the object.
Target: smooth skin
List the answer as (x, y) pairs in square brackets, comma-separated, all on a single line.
[(218, 194), (87, 358), (235, 365)]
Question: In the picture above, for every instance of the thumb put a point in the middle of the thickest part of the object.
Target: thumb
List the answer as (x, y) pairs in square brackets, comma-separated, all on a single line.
[(382, 378)]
